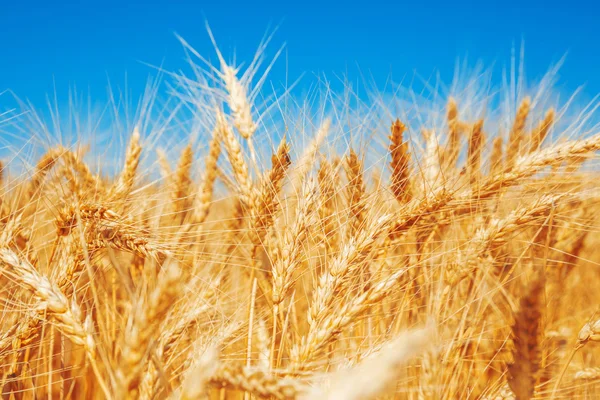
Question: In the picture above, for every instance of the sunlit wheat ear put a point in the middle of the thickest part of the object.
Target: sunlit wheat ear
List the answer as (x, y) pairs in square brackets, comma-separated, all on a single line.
[(400, 184), (182, 182), (238, 102), (237, 95), (527, 339), (237, 160), (203, 199), (331, 326), (121, 188), (323, 329), (26, 329), (432, 160), (265, 202), (355, 192), (496, 156), (67, 315), (517, 133), (326, 178), (454, 131), (539, 133), (350, 258), (291, 246), (476, 141)]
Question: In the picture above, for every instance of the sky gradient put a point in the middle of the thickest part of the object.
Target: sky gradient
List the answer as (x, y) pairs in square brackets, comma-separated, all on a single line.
[(86, 44)]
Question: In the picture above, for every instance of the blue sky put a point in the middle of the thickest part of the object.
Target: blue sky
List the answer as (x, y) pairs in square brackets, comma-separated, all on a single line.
[(84, 44)]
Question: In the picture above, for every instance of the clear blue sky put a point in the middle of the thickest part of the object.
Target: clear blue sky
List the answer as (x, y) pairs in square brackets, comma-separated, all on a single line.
[(85, 43)]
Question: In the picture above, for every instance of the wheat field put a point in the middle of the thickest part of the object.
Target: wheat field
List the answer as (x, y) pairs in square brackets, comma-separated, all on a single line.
[(437, 247)]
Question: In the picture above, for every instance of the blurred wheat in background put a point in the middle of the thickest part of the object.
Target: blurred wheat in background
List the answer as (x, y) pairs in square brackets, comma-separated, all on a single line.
[(414, 247)]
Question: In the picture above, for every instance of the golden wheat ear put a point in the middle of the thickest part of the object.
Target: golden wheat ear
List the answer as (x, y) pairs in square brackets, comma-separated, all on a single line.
[(476, 141), (517, 133), (355, 192), (400, 184), (539, 133), (121, 188), (236, 159), (182, 183), (527, 338), (204, 197)]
